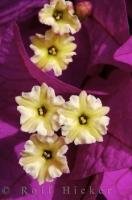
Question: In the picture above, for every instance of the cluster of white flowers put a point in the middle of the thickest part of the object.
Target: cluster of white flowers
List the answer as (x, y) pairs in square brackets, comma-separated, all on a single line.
[(81, 120), (54, 50)]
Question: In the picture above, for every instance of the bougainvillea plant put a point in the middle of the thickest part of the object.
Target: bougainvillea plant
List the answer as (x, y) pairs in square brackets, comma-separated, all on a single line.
[(66, 111)]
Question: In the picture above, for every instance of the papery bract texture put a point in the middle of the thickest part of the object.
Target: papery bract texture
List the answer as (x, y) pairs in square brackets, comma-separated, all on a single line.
[(103, 33), (118, 184)]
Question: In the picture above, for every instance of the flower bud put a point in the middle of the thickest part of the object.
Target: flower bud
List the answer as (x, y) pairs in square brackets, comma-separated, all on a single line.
[(83, 9)]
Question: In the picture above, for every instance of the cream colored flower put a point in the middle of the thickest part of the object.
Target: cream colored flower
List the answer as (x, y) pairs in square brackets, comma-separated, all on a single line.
[(60, 15), (43, 157), (38, 110), (84, 119), (52, 51)]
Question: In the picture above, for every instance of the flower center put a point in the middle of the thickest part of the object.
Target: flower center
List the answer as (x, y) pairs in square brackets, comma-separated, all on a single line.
[(47, 154), (42, 111), (58, 15), (52, 50), (83, 119)]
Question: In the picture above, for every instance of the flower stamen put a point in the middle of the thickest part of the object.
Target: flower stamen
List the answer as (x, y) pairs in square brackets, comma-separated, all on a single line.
[(42, 111), (52, 50), (47, 154), (58, 15), (83, 119)]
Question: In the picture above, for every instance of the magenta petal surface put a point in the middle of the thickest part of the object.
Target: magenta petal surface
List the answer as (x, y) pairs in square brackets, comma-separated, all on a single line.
[(18, 10), (116, 22), (117, 184), (124, 53), (103, 42)]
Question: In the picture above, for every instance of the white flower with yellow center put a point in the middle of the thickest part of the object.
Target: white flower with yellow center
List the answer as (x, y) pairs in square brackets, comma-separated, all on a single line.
[(38, 110), (52, 51), (43, 158), (60, 15), (83, 119)]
